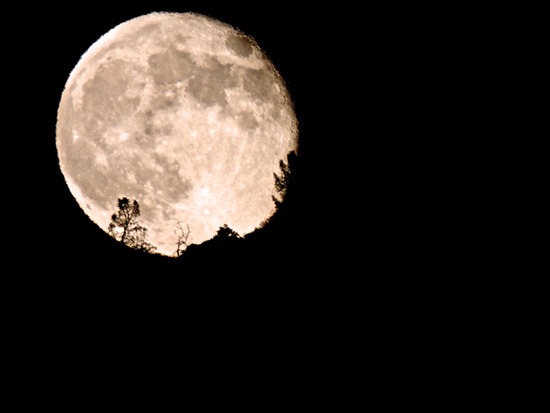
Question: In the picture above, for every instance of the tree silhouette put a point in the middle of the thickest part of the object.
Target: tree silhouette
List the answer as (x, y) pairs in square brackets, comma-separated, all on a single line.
[(284, 181), (182, 239), (226, 233), (125, 228)]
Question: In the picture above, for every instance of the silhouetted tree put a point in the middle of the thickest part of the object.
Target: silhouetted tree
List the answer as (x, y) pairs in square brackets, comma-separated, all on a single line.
[(262, 224), (284, 181), (125, 228), (226, 233), (183, 237), (138, 240)]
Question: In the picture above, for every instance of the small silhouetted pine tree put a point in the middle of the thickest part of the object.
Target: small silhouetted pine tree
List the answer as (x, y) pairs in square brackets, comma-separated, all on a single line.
[(125, 228), (226, 233), (284, 181)]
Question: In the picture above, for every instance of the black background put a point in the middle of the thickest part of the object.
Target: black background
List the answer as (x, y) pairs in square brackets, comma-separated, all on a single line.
[(373, 260)]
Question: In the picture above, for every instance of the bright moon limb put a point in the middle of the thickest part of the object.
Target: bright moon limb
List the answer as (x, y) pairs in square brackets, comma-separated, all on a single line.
[(182, 113)]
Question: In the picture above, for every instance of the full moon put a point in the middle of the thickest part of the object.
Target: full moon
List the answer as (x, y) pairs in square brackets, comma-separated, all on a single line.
[(183, 113)]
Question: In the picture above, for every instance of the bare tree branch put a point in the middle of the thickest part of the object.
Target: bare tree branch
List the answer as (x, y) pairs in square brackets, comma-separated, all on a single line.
[(183, 237)]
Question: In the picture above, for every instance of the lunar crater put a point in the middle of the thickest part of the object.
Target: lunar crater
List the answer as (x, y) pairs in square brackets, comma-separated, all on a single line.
[(240, 44)]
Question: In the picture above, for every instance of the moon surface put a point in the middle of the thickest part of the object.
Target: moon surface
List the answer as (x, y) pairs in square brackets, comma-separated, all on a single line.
[(184, 114)]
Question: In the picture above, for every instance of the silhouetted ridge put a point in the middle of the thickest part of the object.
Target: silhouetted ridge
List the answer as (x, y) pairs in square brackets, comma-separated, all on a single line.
[(276, 241)]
